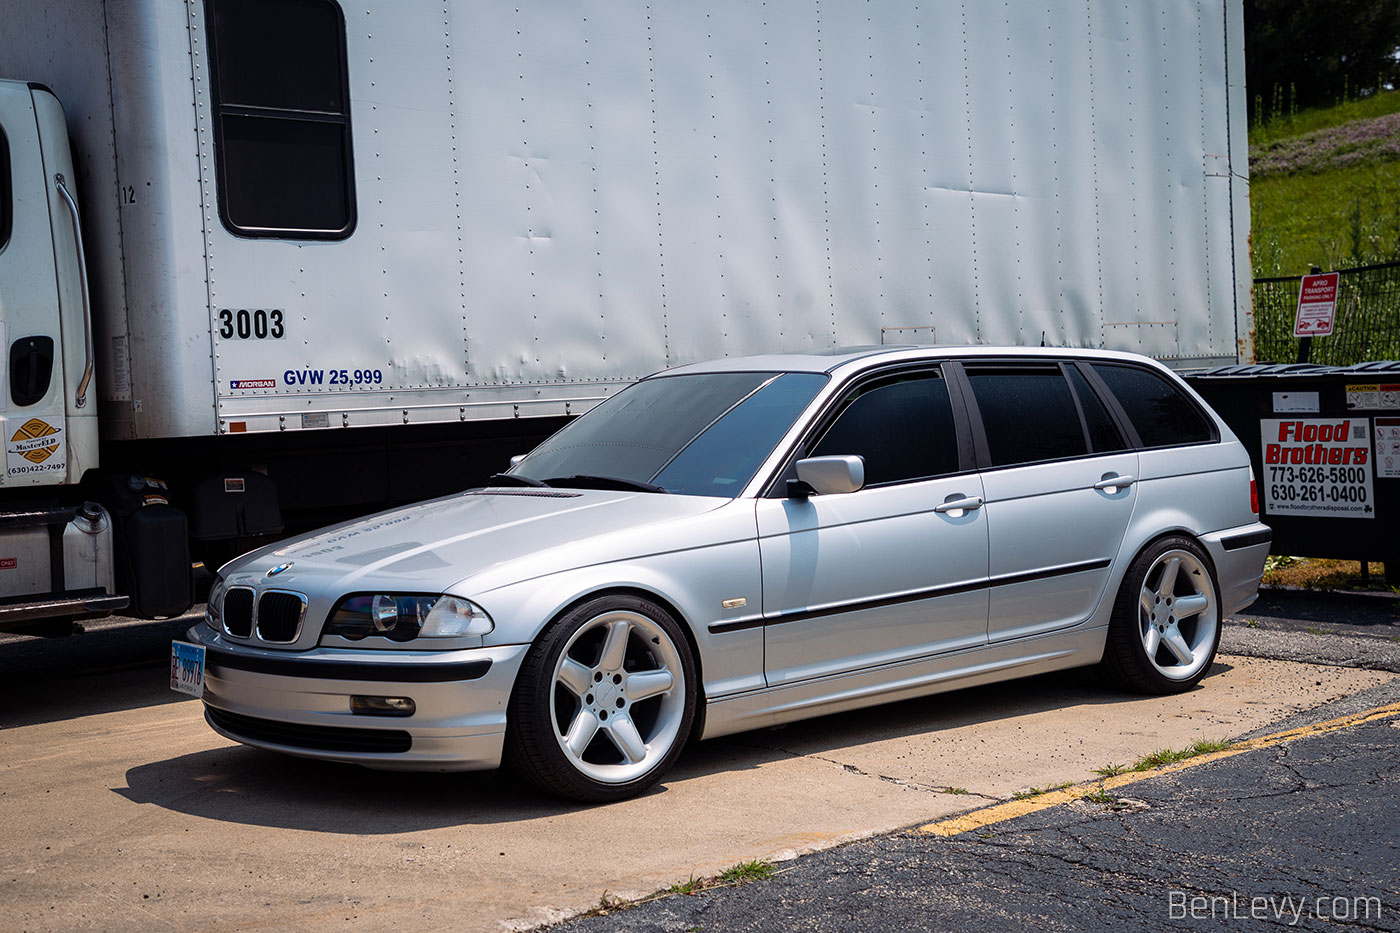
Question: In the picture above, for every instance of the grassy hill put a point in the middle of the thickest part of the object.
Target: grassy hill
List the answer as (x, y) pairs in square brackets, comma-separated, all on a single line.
[(1325, 186)]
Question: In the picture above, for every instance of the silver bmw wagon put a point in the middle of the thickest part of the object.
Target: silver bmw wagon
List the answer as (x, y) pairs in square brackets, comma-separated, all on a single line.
[(735, 544)]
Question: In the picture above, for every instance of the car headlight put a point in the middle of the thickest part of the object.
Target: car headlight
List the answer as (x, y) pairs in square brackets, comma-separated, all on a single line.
[(405, 616), (214, 606)]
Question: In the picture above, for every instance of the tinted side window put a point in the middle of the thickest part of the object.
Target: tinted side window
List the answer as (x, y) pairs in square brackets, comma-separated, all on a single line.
[(1103, 433), (1027, 413), (282, 118), (903, 429), (1160, 413)]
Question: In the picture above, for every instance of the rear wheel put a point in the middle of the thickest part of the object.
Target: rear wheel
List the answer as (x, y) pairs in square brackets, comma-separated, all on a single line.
[(604, 701), (1166, 620)]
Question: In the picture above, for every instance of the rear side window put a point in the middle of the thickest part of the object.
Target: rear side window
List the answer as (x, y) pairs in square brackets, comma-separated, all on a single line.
[(1162, 414), (902, 429), (1028, 414), (7, 211), (1103, 433), (281, 118)]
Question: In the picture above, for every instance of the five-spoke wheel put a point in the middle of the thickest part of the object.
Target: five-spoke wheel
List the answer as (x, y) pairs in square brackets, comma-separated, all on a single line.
[(1166, 622), (605, 700)]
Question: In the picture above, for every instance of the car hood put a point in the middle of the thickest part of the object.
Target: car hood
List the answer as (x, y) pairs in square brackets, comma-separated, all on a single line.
[(437, 546)]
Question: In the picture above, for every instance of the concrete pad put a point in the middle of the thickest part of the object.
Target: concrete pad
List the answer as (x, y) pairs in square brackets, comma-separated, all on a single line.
[(122, 810)]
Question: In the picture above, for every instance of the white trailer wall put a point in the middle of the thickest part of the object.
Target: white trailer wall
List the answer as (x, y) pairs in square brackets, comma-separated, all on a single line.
[(555, 198)]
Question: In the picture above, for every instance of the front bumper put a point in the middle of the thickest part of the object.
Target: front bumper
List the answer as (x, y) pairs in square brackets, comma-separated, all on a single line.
[(299, 702)]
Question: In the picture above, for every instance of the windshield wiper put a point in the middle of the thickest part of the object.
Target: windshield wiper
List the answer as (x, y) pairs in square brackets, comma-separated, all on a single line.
[(586, 481), (512, 479)]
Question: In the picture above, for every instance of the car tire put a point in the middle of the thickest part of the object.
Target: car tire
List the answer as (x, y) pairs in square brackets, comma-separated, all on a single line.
[(604, 701), (1165, 626)]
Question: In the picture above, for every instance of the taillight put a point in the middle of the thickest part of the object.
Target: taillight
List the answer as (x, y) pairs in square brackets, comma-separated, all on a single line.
[(1253, 493)]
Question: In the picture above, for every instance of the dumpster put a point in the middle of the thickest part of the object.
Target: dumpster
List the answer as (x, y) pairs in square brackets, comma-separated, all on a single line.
[(1325, 445)]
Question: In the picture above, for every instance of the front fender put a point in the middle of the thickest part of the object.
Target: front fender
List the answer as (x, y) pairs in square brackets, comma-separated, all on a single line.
[(696, 581)]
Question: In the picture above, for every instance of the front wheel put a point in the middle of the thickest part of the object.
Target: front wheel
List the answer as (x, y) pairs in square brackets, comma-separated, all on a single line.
[(604, 701), (1166, 621)]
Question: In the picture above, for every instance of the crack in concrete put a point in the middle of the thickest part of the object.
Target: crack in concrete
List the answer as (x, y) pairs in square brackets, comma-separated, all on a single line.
[(943, 789)]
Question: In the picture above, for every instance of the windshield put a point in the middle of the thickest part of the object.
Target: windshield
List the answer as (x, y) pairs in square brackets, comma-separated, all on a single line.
[(698, 435)]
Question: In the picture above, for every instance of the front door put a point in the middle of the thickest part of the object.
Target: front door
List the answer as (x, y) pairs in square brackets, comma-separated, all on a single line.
[(888, 573)]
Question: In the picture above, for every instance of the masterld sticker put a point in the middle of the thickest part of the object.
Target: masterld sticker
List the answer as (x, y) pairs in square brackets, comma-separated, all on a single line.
[(35, 447)]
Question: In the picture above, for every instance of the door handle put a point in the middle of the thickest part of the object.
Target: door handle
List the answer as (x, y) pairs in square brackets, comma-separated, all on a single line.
[(1115, 482), (959, 504)]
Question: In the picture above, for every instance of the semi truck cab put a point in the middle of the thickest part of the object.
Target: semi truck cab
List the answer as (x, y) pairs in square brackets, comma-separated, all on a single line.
[(56, 549)]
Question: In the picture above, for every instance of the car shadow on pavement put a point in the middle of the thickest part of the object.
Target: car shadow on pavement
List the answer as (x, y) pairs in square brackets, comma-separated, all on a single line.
[(238, 784), (32, 701)]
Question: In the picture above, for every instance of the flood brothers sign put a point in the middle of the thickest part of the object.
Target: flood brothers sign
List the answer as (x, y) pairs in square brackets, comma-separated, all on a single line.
[(1317, 466)]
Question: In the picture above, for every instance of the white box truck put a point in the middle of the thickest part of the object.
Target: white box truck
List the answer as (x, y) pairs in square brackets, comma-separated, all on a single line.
[(265, 263)]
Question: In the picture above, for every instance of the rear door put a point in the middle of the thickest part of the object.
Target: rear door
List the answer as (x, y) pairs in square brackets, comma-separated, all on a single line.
[(1060, 485), (888, 573)]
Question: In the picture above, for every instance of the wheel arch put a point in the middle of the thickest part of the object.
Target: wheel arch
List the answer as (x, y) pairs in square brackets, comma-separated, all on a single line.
[(1133, 547), (670, 606), (1120, 662), (1178, 532)]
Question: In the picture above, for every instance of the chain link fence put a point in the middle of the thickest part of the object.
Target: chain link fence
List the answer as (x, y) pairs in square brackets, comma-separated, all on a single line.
[(1367, 325)]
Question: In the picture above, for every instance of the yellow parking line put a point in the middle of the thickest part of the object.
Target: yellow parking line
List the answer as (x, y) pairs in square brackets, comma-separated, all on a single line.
[(1010, 810)]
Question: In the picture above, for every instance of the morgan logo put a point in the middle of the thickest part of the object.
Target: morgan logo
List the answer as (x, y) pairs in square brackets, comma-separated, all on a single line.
[(253, 383), (34, 441)]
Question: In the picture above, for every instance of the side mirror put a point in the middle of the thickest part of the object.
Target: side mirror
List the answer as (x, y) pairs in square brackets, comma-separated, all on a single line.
[(515, 461), (832, 476)]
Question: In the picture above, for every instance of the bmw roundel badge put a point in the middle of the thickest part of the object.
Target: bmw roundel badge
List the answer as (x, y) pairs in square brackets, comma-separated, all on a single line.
[(279, 568)]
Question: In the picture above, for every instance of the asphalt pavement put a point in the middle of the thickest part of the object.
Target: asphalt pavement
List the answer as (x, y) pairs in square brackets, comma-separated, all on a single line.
[(1300, 835), (1346, 629)]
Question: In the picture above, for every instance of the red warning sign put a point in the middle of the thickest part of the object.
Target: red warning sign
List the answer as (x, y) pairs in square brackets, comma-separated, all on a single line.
[(1317, 305)]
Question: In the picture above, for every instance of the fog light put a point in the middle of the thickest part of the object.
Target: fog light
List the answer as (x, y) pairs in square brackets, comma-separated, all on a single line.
[(382, 706)]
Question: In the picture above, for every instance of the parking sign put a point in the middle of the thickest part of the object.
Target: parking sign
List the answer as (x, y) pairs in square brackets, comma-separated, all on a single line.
[(1317, 305)]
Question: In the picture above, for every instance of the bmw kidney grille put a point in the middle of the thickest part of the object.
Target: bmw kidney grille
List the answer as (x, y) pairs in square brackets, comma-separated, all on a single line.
[(279, 616), (238, 612)]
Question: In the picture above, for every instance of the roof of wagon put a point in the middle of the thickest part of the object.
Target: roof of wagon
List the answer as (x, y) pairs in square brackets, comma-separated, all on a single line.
[(829, 361)]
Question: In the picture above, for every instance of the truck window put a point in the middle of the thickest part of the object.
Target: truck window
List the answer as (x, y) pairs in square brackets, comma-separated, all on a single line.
[(281, 104), (7, 213)]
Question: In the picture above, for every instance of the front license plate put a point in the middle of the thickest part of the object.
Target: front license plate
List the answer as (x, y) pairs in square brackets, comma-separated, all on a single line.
[(187, 668)]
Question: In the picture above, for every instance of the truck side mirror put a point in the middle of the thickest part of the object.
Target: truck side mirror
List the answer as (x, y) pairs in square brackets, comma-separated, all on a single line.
[(831, 476)]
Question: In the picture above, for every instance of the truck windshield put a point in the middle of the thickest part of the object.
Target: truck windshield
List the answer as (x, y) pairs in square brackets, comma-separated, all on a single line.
[(698, 435)]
